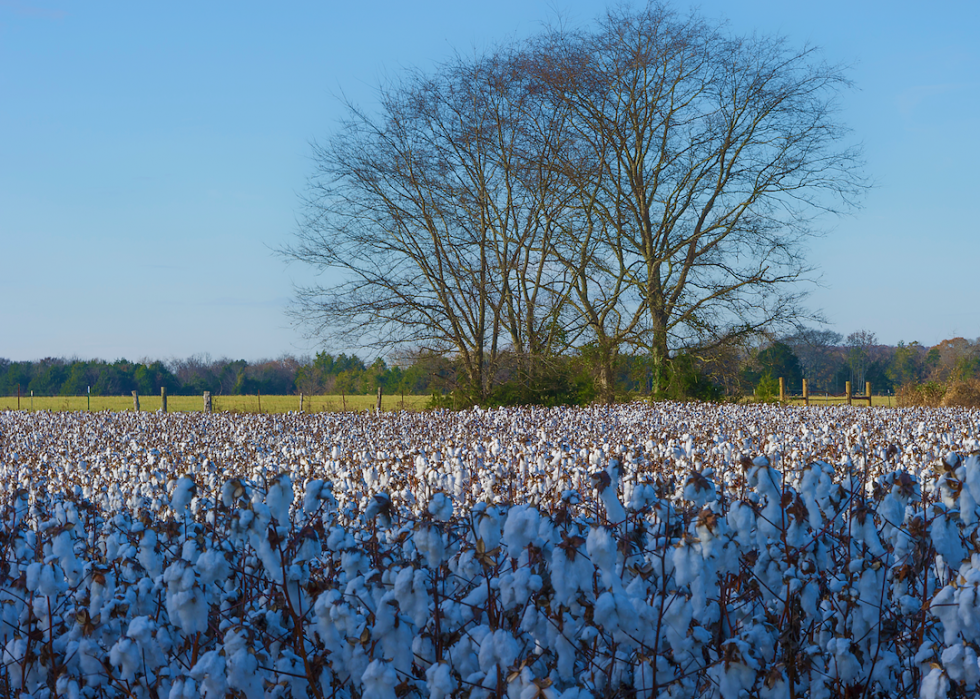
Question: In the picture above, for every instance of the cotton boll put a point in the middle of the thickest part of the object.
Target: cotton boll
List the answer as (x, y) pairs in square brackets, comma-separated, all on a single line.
[(183, 493), (62, 547), (183, 688), (51, 581), (520, 529), (440, 681), (571, 570), (601, 547), (125, 655), (279, 498), (411, 591), (212, 566), (379, 681), (935, 685), (33, 576), (960, 663), (441, 507), (430, 542), (186, 601), (232, 491), (210, 673), (498, 649), (487, 520), (319, 494)]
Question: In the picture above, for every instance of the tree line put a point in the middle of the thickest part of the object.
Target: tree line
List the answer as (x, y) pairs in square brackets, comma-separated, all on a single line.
[(825, 358), (322, 374), (828, 360)]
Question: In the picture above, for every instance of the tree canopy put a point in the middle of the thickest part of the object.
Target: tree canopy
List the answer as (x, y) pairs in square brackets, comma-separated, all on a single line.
[(642, 186)]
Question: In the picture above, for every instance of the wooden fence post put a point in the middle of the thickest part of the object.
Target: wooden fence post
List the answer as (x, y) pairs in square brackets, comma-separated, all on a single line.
[(806, 394), (378, 406), (782, 390), (258, 394), (136, 401), (163, 399), (301, 402), (207, 401), (867, 391), (847, 391)]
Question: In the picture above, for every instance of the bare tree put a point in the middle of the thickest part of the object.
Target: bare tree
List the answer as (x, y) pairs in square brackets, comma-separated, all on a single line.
[(645, 186), (859, 348), (819, 353), (711, 156), (437, 216)]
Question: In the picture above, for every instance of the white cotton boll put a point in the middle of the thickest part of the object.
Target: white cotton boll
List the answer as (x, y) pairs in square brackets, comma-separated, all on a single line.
[(317, 493), (570, 571), (183, 688), (63, 548), (643, 496), (440, 681), (430, 542), (411, 591), (615, 512), (51, 581), (148, 556), (33, 574), (141, 630), (935, 685), (960, 663), (242, 666), (520, 529), (125, 655), (441, 507), (90, 656), (687, 562), (190, 551), (379, 681), (212, 566), (183, 493), (186, 601), (210, 673), (498, 649), (516, 587), (601, 547), (488, 527), (280, 498), (231, 491), (67, 688)]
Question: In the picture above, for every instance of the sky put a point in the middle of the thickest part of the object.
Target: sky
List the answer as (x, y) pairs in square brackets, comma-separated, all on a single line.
[(153, 156)]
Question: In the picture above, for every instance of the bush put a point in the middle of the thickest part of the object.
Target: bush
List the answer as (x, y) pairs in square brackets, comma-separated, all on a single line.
[(768, 389), (962, 394), (929, 394)]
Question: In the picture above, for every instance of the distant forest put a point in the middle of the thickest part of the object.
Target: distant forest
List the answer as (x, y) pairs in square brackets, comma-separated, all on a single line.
[(826, 359)]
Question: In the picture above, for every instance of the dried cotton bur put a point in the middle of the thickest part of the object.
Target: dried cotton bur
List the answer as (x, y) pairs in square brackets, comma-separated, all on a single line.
[(649, 551)]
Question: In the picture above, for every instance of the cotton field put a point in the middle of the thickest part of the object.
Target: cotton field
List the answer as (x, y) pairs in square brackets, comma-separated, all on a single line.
[(623, 551)]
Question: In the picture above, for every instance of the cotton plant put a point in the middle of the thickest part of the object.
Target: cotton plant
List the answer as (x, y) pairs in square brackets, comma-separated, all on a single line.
[(674, 550)]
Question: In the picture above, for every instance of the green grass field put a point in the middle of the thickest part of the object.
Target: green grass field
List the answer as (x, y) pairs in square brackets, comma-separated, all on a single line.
[(238, 404), (876, 401)]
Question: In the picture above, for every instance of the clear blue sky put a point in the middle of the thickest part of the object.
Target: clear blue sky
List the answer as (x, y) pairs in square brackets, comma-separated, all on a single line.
[(152, 154)]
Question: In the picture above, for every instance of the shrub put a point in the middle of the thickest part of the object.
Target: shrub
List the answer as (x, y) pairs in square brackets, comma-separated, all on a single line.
[(962, 394)]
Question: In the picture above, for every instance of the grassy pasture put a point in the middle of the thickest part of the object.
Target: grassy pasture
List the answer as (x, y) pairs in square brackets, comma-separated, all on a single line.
[(228, 404), (876, 401)]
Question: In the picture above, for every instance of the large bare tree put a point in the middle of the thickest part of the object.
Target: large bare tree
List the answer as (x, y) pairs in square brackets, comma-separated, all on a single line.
[(644, 185), (707, 158), (438, 214)]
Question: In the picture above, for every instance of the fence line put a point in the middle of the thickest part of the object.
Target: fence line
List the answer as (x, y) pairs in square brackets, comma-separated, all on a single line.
[(849, 397)]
